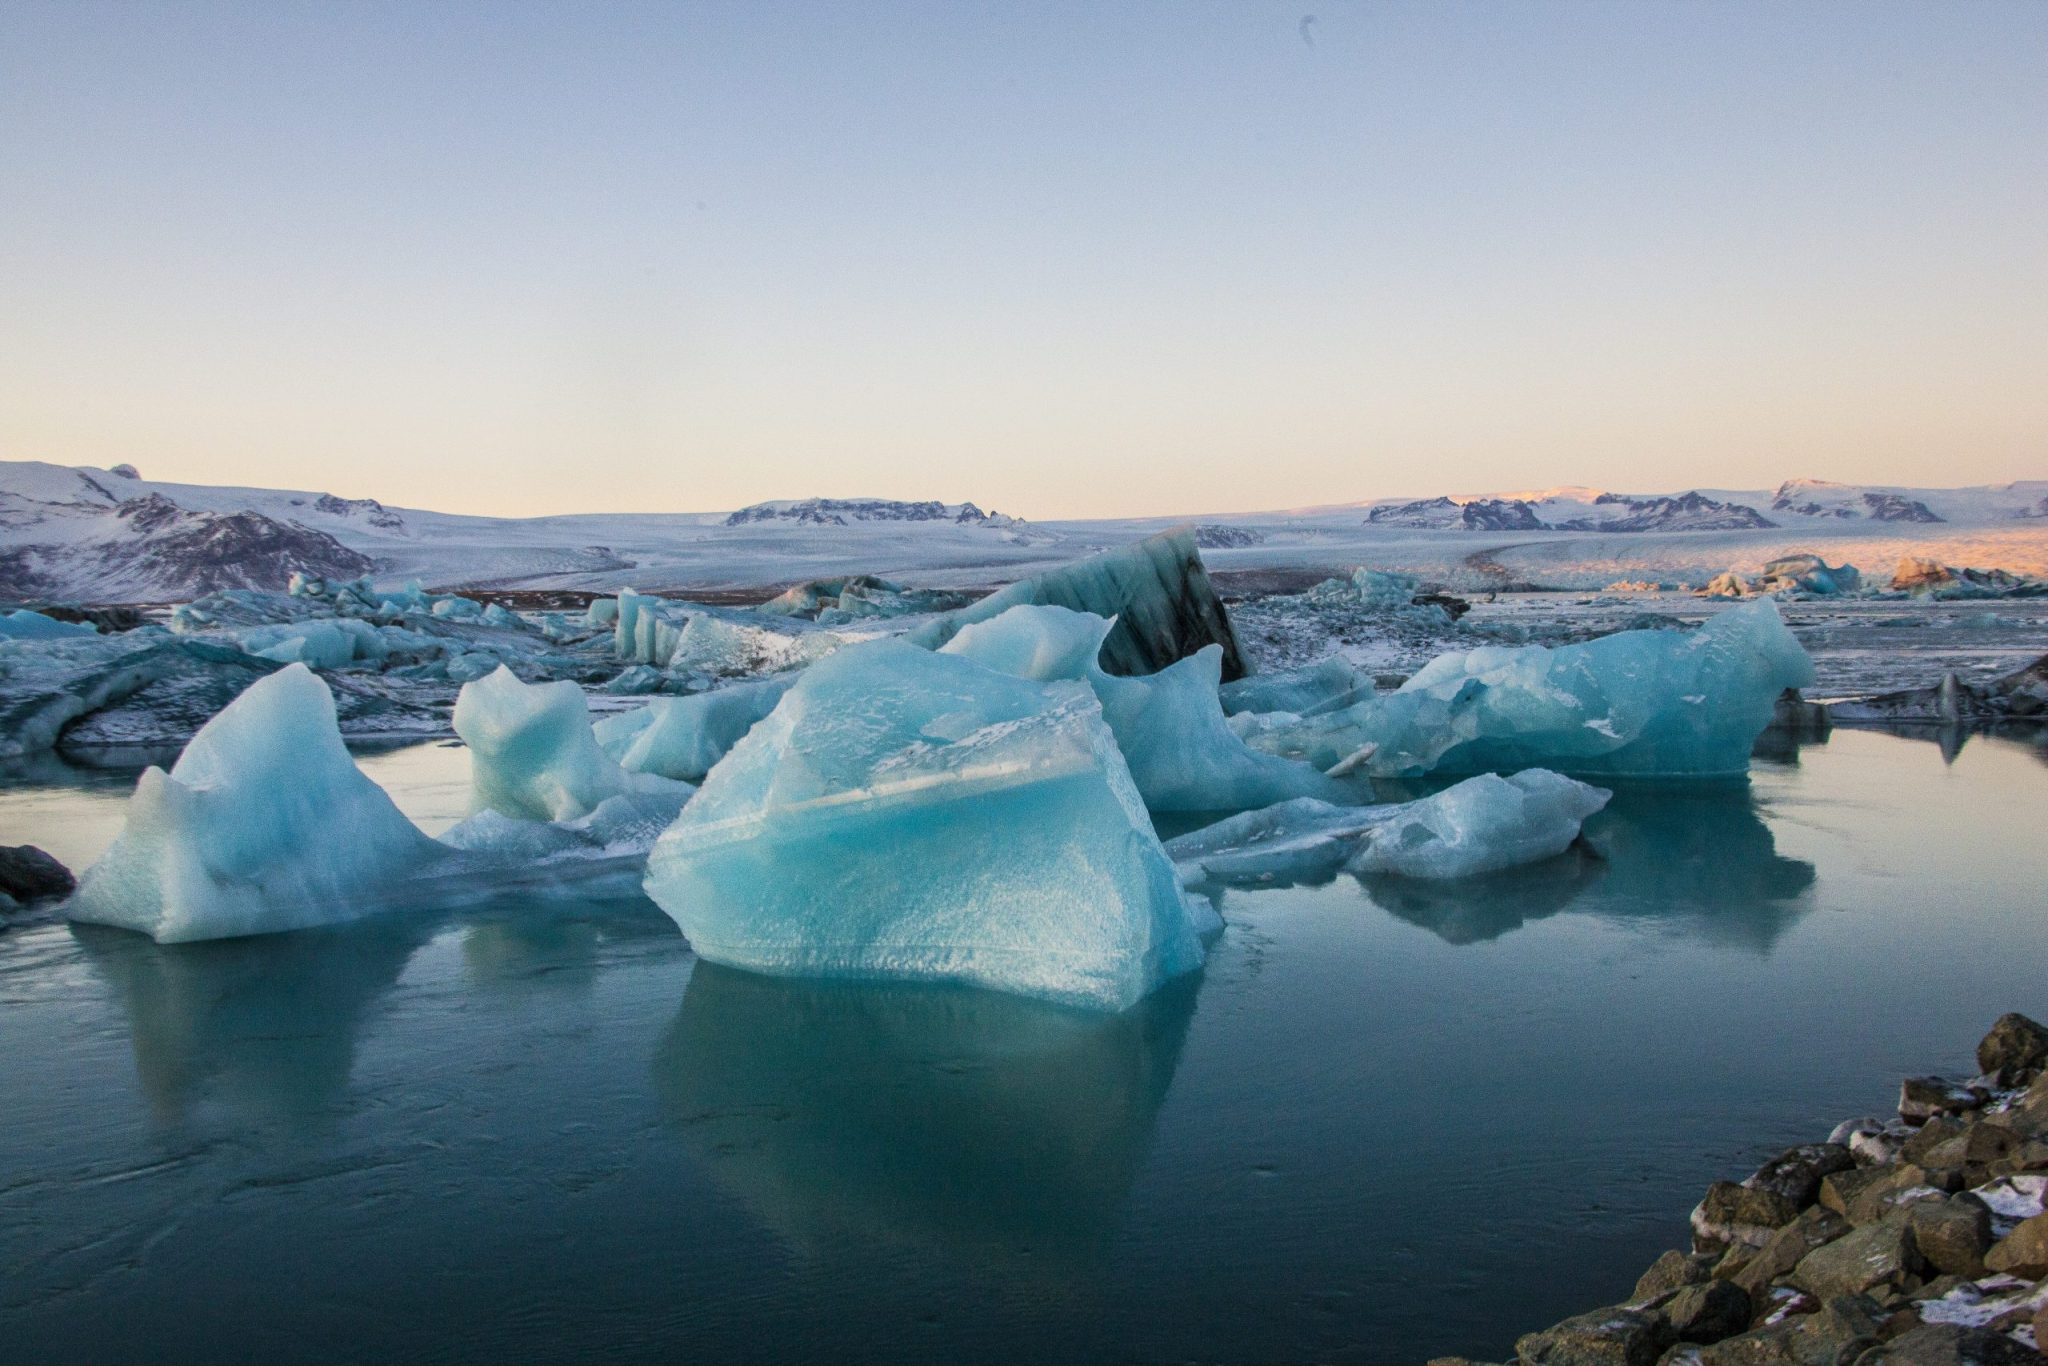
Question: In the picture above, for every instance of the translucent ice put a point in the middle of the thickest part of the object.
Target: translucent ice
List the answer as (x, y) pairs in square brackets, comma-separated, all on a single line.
[(265, 823), (27, 625), (906, 814), (1170, 726), (532, 753), (1305, 691), (1647, 703), (682, 737), (1481, 825)]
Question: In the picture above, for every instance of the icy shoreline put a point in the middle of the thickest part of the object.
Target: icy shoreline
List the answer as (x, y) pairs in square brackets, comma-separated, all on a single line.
[(1912, 1240)]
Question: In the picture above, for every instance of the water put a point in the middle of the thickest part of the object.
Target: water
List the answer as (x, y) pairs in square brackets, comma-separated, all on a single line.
[(1387, 1121)]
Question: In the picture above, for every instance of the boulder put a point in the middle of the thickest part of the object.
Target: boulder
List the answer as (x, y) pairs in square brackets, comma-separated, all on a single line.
[(28, 874), (1925, 1097), (2024, 1251), (1948, 1344), (1669, 1272), (1815, 1227), (1733, 1214), (1953, 1234), (1709, 1312), (1796, 1173), (1617, 1336), (2015, 1049), (1878, 1257)]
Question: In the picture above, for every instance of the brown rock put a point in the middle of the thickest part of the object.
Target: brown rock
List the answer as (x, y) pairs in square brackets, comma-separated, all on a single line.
[(1709, 1312), (1953, 1234), (2024, 1251), (1931, 1135), (1733, 1214), (1617, 1336), (1669, 1272), (1838, 1331), (1796, 1173), (1887, 1188), (1877, 1257), (1945, 1344), (2030, 1156), (1925, 1097), (2016, 1049), (1814, 1228)]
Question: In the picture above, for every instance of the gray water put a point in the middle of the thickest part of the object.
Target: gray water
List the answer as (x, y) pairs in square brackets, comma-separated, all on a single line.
[(1386, 1122)]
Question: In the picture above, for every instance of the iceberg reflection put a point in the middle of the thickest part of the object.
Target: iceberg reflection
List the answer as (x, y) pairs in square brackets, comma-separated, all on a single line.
[(987, 1125)]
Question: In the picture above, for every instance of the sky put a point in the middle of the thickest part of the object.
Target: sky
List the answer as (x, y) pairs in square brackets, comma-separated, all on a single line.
[(1061, 259)]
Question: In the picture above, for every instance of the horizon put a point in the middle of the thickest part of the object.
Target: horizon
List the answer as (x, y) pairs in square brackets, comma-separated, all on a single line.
[(528, 261)]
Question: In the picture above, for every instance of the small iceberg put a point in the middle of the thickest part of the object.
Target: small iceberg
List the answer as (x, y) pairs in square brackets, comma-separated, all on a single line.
[(264, 824)]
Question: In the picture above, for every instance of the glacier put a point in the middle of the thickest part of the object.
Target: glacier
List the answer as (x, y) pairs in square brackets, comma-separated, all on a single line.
[(908, 814), (1643, 703), (1169, 725), (1481, 825), (264, 824)]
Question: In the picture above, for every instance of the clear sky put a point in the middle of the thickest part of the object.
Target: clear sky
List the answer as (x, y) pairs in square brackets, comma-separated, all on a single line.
[(1063, 259)]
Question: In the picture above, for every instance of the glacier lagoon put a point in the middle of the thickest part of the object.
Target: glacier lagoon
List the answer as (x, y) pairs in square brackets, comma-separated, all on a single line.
[(1385, 1120)]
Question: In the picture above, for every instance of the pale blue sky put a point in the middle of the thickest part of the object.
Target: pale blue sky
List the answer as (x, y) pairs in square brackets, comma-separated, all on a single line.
[(1062, 259)]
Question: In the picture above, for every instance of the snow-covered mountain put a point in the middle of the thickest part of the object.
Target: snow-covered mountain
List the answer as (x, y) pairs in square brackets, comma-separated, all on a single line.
[(100, 535)]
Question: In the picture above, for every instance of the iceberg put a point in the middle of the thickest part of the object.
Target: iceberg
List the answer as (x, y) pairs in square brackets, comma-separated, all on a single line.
[(1481, 825), (27, 625), (1639, 703), (533, 755), (682, 737), (264, 824), (1181, 751), (904, 814), (1306, 691), (1157, 591)]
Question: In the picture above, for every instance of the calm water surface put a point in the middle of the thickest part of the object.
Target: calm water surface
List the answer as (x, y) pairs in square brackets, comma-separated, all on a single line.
[(1387, 1121)]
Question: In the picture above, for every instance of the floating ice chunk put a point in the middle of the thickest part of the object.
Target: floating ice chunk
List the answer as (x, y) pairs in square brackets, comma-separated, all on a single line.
[(265, 823), (1157, 591), (27, 625), (1040, 643), (532, 753), (1646, 703), (1171, 728), (602, 612), (624, 827), (905, 814), (1481, 825), (1313, 688), (682, 737)]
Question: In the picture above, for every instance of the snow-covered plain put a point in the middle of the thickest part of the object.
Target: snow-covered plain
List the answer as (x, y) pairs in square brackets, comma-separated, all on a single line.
[(88, 534)]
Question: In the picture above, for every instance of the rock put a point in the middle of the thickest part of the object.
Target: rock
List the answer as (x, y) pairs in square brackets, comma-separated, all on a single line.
[(1815, 1227), (28, 874), (1973, 1151), (1932, 1135), (2016, 1049), (1837, 1332), (1709, 1312), (1877, 1257), (1953, 1234), (2024, 1251), (1867, 1194), (1618, 1336), (1733, 1214), (1947, 1344), (2030, 1156), (1796, 1173), (1925, 1097), (1668, 1273), (2028, 1116)]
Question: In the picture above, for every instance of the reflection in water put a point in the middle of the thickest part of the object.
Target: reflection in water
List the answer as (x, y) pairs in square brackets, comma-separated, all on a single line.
[(969, 1122), (562, 948), (1697, 860), (266, 1024)]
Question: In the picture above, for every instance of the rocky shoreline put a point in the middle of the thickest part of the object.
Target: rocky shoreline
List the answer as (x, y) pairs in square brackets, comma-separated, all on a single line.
[(1915, 1240)]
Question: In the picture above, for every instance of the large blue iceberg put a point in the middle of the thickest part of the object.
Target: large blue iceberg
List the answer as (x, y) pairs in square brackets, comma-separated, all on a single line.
[(905, 814), (1636, 703)]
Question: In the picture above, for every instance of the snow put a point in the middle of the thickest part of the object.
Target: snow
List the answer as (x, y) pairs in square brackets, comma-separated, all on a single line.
[(1615, 705), (1481, 825), (264, 824), (908, 814), (533, 755)]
